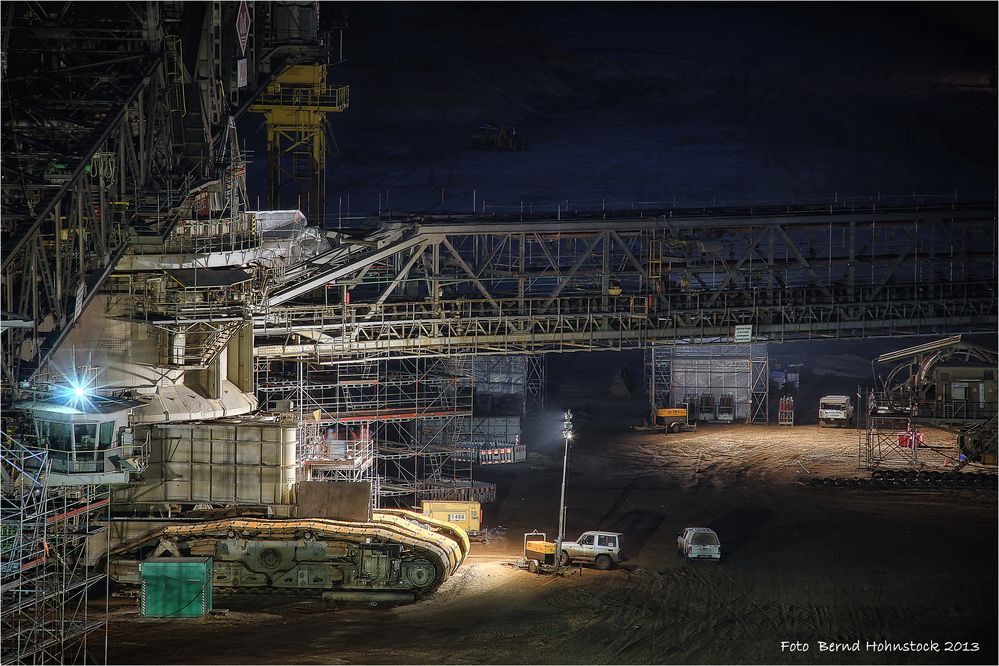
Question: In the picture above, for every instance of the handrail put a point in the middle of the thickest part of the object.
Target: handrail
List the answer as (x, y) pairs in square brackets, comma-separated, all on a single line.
[(633, 305)]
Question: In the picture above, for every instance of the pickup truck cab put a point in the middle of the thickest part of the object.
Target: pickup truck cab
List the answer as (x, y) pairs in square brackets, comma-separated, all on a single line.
[(602, 549), (835, 410), (698, 543)]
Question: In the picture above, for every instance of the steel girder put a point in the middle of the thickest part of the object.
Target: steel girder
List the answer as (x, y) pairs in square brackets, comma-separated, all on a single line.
[(772, 248), (409, 329), (112, 114), (87, 153), (544, 285)]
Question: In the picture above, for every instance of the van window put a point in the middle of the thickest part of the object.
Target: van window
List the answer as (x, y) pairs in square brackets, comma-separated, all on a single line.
[(586, 540), (607, 541)]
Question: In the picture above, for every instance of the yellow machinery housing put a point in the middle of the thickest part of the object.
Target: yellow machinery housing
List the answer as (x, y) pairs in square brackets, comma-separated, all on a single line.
[(538, 549), (294, 106), (672, 418), (466, 515)]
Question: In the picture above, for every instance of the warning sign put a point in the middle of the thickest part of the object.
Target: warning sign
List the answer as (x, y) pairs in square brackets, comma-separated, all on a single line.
[(243, 26)]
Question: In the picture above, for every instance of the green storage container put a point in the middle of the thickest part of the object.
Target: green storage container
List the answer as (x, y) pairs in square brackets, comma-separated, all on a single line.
[(176, 587)]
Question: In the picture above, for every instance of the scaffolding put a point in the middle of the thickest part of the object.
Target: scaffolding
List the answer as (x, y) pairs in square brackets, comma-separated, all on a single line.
[(45, 615), (718, 383), (534, 385), (394, 424), (658, 363), (429, 410), (890, 441), (759, 384)]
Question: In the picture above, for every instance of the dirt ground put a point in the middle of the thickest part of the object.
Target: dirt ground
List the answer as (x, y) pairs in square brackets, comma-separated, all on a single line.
[(801, 563)]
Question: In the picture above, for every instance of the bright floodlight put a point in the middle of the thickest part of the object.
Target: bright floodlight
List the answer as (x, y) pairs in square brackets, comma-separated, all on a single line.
[(78, 391)]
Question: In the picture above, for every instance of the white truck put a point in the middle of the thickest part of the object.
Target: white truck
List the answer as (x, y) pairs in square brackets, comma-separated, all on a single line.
[(835, 410), (602, 549), (699, 543)]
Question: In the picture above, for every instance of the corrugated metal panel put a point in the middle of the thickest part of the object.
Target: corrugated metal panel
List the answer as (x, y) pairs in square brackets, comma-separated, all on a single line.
[(252, 463)]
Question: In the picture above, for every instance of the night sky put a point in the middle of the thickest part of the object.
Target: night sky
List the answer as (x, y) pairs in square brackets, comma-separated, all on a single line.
[(628, 102)]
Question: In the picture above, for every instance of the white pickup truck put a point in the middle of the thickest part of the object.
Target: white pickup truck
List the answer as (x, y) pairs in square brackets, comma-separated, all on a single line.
[(835, 410), (699, 543), (602, 549)]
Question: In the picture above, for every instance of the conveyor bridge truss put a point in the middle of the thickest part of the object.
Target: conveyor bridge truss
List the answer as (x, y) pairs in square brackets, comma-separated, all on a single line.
[(494, 285)]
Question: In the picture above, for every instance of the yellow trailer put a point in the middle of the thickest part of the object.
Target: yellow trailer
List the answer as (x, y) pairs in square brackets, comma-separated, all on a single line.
[(467, 515), (668, 419), (539, 554)]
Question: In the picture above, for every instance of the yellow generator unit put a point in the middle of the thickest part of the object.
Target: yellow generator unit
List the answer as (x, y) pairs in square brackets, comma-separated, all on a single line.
[(538, 549), (673, 418), (466, 515)]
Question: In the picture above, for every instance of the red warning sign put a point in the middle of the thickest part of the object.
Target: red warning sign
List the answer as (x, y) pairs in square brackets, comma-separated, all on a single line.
[(243, 26)]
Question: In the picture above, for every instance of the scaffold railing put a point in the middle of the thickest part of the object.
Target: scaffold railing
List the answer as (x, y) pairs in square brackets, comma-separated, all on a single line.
[(366, 421), (45, 614)]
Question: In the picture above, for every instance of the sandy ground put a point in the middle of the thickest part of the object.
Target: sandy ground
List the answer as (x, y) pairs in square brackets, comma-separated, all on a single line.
[(801, 563)]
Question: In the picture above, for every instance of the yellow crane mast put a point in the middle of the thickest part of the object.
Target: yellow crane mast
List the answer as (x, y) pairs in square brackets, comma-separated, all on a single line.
[(294, 106)]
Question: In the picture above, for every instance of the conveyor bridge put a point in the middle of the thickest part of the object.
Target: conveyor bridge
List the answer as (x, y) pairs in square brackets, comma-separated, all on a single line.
[(494, 285)]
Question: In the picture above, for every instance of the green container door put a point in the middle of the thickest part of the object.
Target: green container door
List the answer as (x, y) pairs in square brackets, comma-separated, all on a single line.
[(176, 586)]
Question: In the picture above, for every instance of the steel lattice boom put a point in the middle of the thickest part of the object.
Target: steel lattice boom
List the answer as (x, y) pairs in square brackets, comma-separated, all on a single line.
[(489, 285)]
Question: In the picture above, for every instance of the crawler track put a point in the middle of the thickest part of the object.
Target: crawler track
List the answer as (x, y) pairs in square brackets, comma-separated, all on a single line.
[(396, 551), (889, 478)]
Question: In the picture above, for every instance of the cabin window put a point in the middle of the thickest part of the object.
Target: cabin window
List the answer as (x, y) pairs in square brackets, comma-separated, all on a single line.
[(55, 435), (85, 435), (107, 434)]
